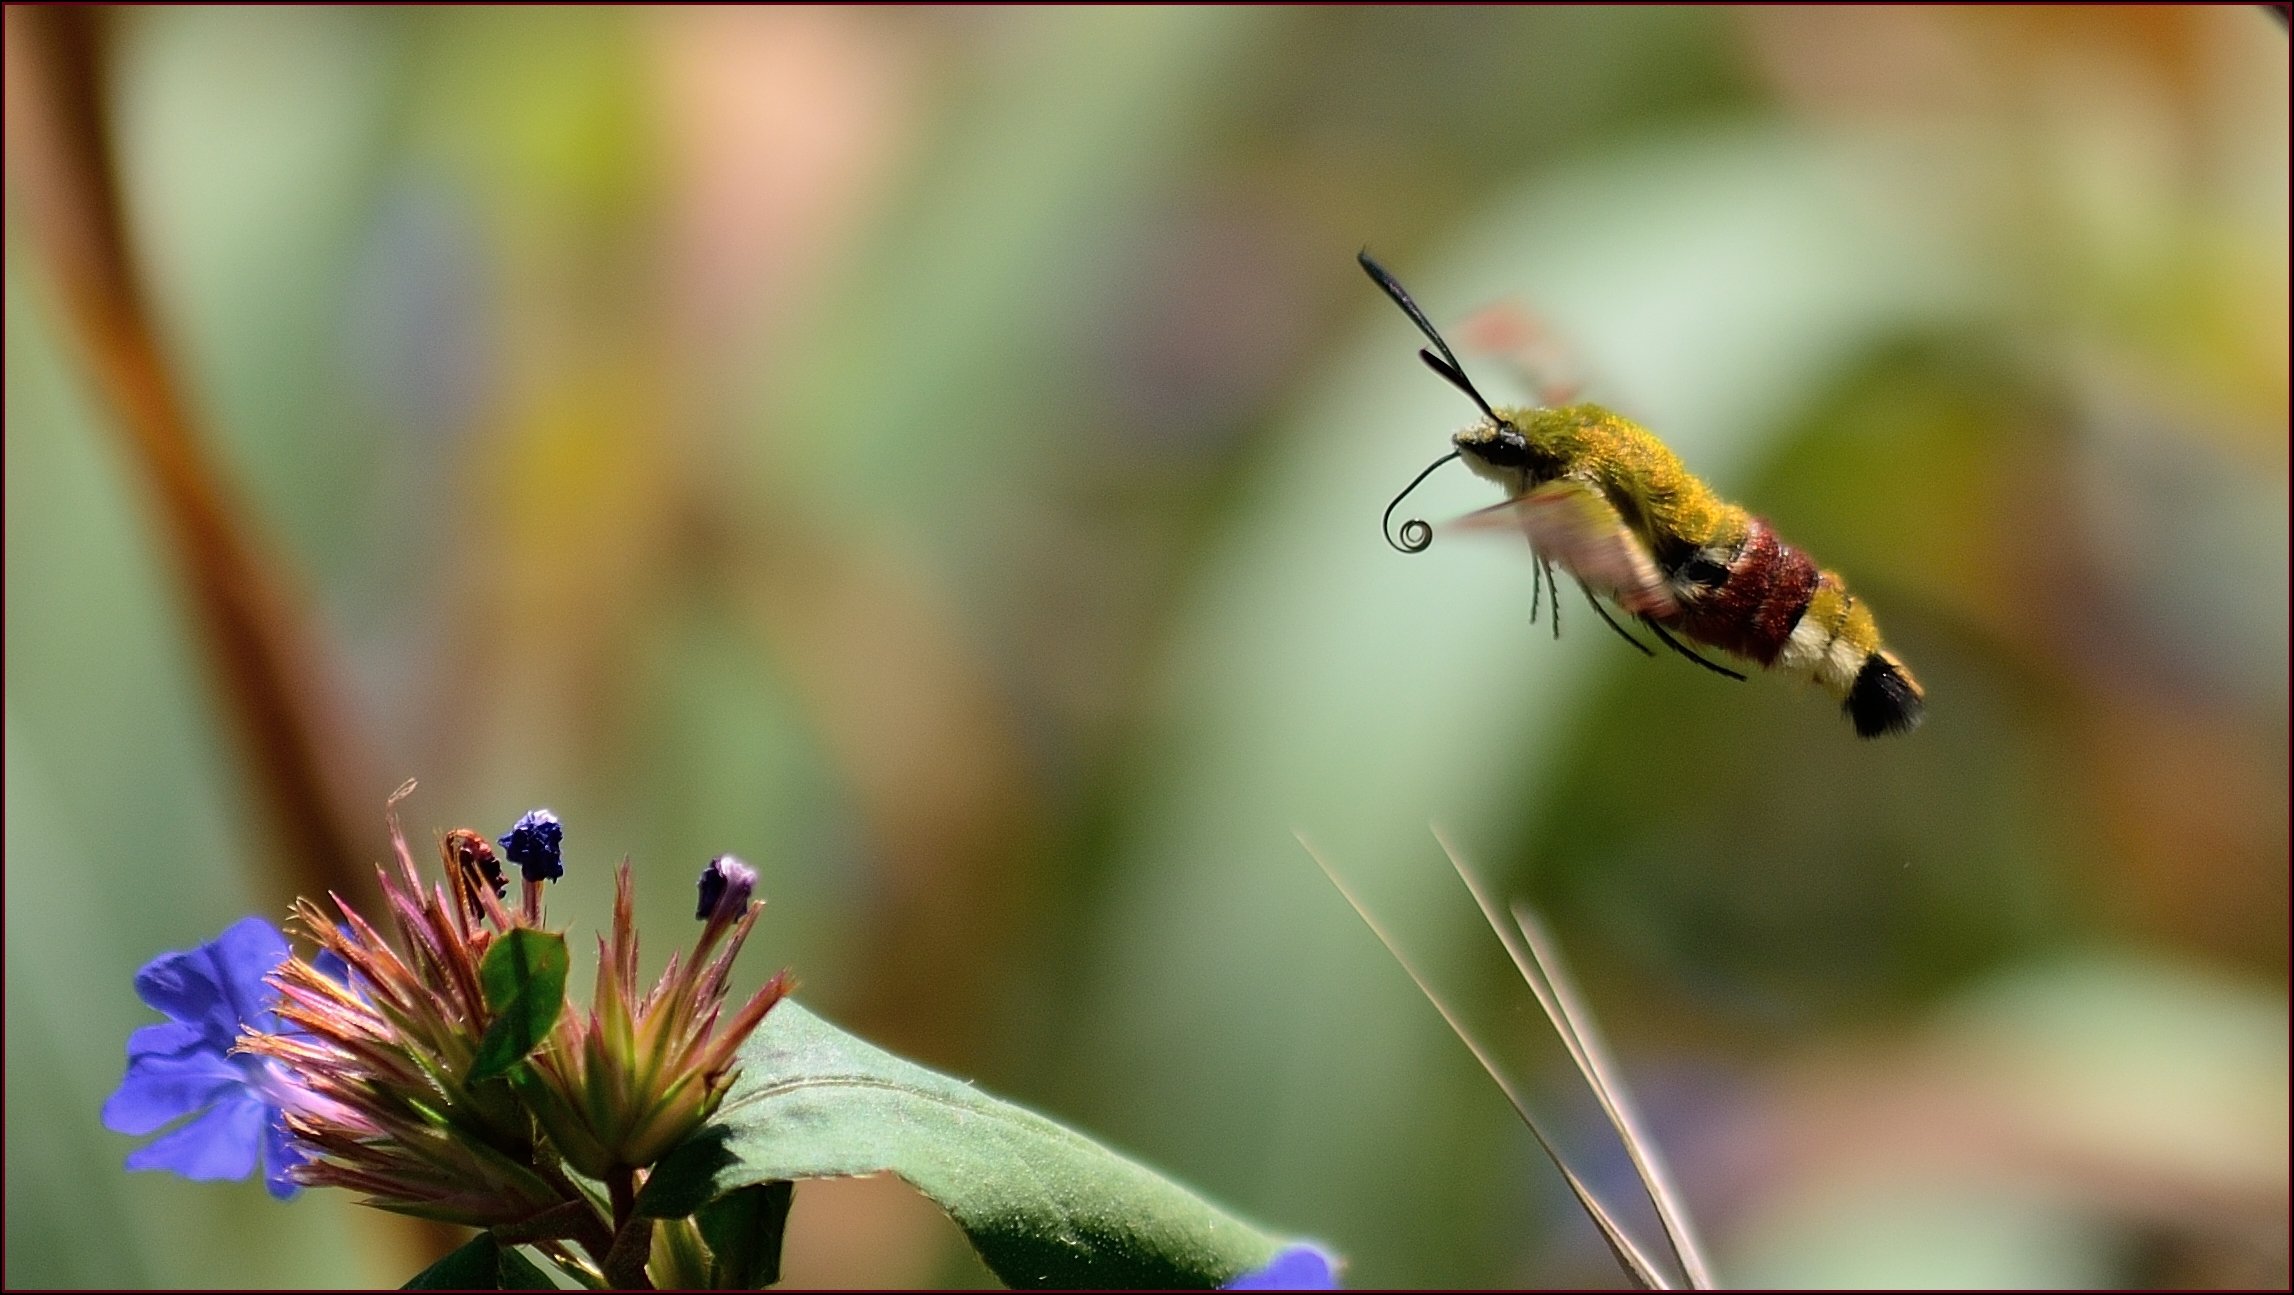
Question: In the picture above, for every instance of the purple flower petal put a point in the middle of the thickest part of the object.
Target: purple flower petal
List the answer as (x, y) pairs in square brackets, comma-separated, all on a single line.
[(168, 1040), (186, 1066), (222, 1143), (165, 1085), (1299, 1268), (280, 1155), (219, 985), (328, 963)]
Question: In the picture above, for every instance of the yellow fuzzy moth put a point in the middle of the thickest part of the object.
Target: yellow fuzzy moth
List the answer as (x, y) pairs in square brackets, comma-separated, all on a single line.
[(1604, 500)]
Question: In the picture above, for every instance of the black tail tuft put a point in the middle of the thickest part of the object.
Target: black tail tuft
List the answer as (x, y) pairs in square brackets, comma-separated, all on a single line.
[(1885, 698)]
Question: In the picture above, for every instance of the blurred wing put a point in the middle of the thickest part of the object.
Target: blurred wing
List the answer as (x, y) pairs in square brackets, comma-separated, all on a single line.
[(1570, 523), (1510, 334)]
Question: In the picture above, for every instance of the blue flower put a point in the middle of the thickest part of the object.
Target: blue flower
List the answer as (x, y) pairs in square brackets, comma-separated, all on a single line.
[(1299, 1268), (533, 843), (186, 1066)]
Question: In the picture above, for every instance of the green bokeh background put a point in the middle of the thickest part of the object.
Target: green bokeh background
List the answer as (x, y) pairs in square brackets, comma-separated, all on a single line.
[(936, 455)]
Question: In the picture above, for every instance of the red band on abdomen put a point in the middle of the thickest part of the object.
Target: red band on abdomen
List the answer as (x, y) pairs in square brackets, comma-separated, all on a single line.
[(1753, 612)]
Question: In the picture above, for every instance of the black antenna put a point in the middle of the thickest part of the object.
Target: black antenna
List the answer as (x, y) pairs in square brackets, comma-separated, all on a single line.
[(1446, 363)]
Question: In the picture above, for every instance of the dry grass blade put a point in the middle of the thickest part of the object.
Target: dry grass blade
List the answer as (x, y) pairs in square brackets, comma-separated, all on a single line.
[(1535, 957), (1631, 1257)]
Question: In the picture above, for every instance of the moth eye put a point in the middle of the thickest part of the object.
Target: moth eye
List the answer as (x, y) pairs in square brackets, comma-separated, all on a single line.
[(1503, 445)]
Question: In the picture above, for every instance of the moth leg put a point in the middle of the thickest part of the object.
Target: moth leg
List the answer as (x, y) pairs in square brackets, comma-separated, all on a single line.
[(1676, 645), (1553, 591), (1603, 612), (1536, 586)]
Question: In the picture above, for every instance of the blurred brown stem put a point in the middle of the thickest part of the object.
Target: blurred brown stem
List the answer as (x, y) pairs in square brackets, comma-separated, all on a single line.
[(267, 664), (917, 729), (255, 638)]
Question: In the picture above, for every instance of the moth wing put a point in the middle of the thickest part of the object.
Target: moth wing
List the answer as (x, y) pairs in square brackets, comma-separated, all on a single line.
[(1581, 532), (1515, 337)]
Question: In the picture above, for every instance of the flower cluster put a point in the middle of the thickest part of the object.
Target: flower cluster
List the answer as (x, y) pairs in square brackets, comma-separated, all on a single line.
[(430, 1060), (622, 1084)]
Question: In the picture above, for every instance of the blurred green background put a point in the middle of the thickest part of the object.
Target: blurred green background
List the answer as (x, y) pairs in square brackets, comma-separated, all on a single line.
[(937, 456)]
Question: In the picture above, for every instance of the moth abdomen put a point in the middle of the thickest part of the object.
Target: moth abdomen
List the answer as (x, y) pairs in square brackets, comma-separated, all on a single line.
[(1755, 608), (1884, 698)]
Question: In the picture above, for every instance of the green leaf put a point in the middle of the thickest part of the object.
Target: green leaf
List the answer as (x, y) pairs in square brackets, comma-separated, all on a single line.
[(524, 979), (744, 1230), (1044, 1206), (680, 1259), (482, 1264), (518, 1273)]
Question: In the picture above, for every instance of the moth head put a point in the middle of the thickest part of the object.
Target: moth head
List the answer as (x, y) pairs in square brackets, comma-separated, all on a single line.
[(1494, 445)]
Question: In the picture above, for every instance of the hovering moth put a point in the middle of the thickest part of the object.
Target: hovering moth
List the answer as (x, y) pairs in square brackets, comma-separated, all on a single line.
[(1605, 501)]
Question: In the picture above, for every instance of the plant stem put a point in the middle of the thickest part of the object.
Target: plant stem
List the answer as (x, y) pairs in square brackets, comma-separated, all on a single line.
[(621, 1186), (592, 1233), (624, 1263)]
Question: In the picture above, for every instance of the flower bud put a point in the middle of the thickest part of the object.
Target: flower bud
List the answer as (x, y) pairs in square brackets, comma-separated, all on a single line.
[(533, 843), (726, 885)]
